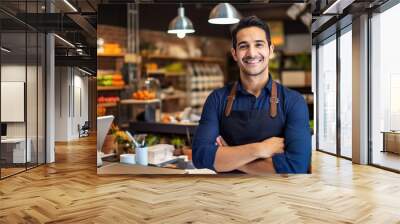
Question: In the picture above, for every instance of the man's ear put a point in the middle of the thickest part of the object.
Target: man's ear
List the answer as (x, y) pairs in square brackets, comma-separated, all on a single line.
[(233, 51), (271, 50)]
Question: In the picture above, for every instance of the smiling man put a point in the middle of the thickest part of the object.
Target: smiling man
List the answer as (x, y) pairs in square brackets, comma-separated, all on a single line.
[(254, 125)]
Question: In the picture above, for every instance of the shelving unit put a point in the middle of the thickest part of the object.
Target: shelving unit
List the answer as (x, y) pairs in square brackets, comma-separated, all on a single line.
[(112, 63), (202, 81), (201, 76)]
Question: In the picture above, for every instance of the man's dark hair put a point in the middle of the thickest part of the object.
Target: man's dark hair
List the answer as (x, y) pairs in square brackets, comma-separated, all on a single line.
[(250, 22)]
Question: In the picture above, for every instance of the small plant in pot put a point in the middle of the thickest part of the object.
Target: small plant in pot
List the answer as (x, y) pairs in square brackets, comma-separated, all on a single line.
[(178, 143), (125, 145)]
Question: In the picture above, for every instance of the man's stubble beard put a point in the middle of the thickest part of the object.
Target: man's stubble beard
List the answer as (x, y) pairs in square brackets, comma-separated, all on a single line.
[(257, 74)]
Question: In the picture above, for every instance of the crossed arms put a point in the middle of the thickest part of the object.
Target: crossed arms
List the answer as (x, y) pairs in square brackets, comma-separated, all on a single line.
[(256, 158)]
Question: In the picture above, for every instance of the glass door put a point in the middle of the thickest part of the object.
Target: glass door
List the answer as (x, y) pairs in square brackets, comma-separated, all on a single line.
[(326, 109), (22, 76), (13, 103), (385, 89), (345, 60)]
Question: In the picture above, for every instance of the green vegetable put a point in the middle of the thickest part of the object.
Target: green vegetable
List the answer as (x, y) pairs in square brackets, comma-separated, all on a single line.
[(178, 142), (152, 140), (174, 67)]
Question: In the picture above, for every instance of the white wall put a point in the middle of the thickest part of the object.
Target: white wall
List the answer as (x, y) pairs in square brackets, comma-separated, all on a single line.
[(61, 104), (71, 102), (80, 98)]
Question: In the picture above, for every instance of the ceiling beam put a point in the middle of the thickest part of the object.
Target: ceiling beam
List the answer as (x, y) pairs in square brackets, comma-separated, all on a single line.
[(84, 24), (78, 61)]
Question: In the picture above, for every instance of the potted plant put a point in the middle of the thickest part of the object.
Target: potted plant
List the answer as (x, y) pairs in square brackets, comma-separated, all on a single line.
[(125, 145)]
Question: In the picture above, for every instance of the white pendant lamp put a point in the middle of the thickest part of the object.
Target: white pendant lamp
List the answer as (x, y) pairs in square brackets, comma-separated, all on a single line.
[(224, 13), (181, 25)]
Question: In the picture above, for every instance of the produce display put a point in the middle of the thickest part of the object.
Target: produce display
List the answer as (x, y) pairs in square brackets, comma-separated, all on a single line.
[(144, 95), (184, 117), (108, 99), (150, 67), (101, 111), (177, 67), (112, 48), (110, 80)]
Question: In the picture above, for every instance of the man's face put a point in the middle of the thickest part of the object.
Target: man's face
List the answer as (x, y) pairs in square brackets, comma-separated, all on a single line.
[(252, 51)]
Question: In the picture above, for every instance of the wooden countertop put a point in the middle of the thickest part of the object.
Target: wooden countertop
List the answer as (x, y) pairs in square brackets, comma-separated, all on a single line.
[(121, 168)]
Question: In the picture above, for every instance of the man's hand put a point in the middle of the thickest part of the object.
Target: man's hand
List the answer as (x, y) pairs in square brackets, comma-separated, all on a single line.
[(269, 147), (230, 158), (220, 141), (264, 149)]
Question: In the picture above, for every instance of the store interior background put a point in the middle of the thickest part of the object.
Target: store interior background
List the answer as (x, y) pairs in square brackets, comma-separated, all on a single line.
[(133, 44)]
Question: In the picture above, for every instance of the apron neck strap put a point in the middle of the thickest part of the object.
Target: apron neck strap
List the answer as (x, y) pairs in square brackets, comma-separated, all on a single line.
[(231, 98), (273, 100)]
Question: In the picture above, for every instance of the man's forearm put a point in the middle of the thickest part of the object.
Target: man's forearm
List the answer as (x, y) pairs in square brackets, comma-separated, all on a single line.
[(229, 158), (258, 167)]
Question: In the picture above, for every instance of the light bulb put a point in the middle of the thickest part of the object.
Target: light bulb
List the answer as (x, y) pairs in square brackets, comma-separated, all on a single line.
[(181, 35), (100, 41)]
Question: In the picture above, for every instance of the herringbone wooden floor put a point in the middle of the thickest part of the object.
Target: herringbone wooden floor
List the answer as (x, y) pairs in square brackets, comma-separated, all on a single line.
[(69, 191)]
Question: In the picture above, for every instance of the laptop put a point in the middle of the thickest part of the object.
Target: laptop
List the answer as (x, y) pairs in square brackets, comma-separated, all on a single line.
[(103, 125)]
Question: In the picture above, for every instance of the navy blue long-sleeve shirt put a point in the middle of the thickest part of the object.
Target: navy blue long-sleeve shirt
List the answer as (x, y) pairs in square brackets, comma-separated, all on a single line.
[(297, 152)]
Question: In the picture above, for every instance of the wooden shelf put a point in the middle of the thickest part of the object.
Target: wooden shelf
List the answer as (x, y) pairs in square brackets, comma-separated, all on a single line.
[(178, 94), (163, 128), (166, 73), (110, 55), (107, 72), (133, 101), (192, 59), (128, 58), (106, 104), (110, 88)]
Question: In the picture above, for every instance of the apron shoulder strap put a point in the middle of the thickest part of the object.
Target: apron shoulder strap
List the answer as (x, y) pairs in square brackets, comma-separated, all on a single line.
[(231, 98), (273, 101)]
